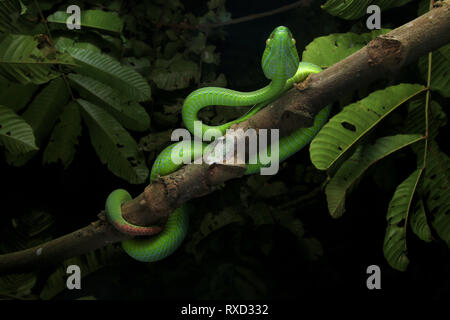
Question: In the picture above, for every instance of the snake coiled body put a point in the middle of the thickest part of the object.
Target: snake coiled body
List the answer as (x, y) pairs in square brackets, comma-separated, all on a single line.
[(280, 63)]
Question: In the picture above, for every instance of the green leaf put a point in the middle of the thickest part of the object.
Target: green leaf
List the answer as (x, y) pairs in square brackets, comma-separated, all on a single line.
[(96, 19), (42, 115), (11, 17), (15, 134), (354, 9), (64, 138), (174, 74), (352, 169), (344, 132), (394, 247), (105, 69), (197, 44), (436, 189), (16, 96), (419, 224), (327, 50), (440, 70), (129, 113), (114, 145), (46, 108), (26, 59)]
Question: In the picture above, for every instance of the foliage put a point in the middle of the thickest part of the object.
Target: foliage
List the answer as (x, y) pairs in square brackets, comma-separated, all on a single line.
[(100, 65), (346, 149), (354, 9)]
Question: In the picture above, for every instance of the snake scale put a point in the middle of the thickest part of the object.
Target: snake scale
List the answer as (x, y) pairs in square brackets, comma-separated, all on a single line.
[(280, 63)]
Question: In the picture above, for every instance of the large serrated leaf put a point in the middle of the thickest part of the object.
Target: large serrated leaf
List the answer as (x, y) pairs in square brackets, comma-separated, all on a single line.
[(113, 144), (26, 59), (419, 224), (109, 71), (61, 43), (394, 247), (344, 132), (64, 138), (16, 135), (46, 108), (96, 19), (436, 188), (354, 9), (16, 96), (42, 115), (129, 113), (351, 170), (440, 70), (327, 50)]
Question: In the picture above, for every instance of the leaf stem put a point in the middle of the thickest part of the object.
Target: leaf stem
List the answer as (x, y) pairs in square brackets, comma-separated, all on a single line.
[(427, 101)]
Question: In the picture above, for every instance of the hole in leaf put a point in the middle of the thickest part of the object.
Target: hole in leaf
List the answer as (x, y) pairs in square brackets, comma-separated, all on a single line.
[(401, 223), (348, 126), (8, 133), (118, 145), (433, 176)]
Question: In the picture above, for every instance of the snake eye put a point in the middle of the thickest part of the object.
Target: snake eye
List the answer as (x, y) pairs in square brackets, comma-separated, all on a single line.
[(293, 41), (267, 42)]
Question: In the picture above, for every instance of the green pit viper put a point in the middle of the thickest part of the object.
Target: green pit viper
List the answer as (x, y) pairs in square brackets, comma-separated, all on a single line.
[(280, 63)]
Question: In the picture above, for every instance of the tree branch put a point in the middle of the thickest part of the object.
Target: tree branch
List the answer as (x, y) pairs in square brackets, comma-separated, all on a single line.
[(250, 17), (381, 58)]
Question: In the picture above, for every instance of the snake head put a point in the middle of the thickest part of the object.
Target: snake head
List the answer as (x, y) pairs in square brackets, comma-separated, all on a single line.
[(280, 58)]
